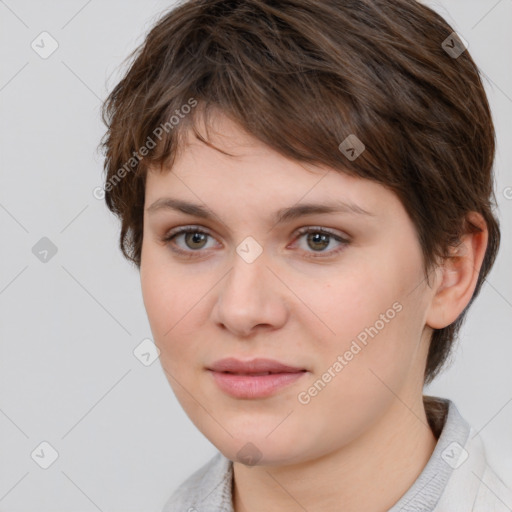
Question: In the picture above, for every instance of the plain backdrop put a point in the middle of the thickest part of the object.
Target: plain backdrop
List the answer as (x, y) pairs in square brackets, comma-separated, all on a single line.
[(69, 325)]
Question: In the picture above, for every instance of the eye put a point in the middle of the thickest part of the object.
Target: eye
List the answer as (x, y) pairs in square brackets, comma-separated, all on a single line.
[(319, 239), (196, 239), (193, 237)]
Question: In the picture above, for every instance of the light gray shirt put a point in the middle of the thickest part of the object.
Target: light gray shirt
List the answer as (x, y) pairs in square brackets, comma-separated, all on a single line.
[(456, 478)]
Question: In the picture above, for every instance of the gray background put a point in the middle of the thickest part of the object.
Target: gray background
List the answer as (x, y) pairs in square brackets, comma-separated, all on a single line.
[(69, 326)]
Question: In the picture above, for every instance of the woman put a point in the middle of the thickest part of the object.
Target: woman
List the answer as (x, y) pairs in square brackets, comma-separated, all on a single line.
[(307, 191)]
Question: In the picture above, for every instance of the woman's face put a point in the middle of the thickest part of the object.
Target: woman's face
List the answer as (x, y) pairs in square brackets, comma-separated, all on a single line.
[(346, 307)]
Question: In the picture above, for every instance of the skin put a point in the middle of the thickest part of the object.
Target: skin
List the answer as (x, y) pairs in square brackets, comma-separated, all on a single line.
[(364, 439)]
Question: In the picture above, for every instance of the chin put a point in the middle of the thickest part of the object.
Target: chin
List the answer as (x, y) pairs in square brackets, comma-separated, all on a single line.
[(254, 448)]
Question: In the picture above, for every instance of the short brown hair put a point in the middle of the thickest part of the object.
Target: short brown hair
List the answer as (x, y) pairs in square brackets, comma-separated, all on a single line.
[(301, 76)]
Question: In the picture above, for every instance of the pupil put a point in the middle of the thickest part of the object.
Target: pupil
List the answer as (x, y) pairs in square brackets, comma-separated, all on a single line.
[(319, 237), (196, 237)]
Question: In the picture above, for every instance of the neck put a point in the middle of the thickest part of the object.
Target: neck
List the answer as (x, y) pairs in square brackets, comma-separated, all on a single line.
[(371, 473)]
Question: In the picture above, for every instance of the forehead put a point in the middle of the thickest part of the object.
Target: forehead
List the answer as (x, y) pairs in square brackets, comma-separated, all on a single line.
[(252, 174)]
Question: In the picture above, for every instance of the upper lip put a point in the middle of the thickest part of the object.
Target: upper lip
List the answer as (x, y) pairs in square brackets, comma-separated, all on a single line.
[(259, 365)]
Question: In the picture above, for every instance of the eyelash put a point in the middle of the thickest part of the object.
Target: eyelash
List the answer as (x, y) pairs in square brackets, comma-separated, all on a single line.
[(168, 238)]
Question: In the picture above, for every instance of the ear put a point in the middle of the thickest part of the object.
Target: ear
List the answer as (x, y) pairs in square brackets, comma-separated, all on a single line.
[(457, 277)]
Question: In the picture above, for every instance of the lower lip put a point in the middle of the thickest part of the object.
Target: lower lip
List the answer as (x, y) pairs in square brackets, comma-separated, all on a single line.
[(257, 386)]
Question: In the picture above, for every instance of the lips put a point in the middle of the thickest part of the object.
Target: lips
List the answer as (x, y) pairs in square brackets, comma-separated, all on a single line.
[(255, 379), (254, 367)]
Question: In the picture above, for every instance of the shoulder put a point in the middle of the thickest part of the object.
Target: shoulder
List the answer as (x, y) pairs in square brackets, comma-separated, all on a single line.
[(207, 489), (474, 485), (494, 495)]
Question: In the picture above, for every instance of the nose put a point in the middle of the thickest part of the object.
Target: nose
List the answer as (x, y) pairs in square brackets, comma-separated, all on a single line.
[(250, 298)]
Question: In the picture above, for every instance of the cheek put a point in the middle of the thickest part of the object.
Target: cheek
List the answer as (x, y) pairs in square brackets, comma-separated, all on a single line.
[(160, 300), (165, 297), (176, 305), (367, 314), (346, 302), (164, 288), (168, 304)]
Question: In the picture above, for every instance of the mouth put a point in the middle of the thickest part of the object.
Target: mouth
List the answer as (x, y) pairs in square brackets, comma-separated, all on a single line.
[(258, 378), (253, 367), (259, 374)]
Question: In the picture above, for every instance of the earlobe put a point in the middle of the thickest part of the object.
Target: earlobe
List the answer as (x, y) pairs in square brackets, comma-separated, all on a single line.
[(458, 276)]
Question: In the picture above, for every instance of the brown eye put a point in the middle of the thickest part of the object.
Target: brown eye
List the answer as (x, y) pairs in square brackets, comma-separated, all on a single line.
[(318, 239), (195, 239)]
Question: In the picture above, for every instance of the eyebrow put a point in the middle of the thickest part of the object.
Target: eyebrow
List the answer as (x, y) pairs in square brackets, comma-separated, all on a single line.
[(282, 215)]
